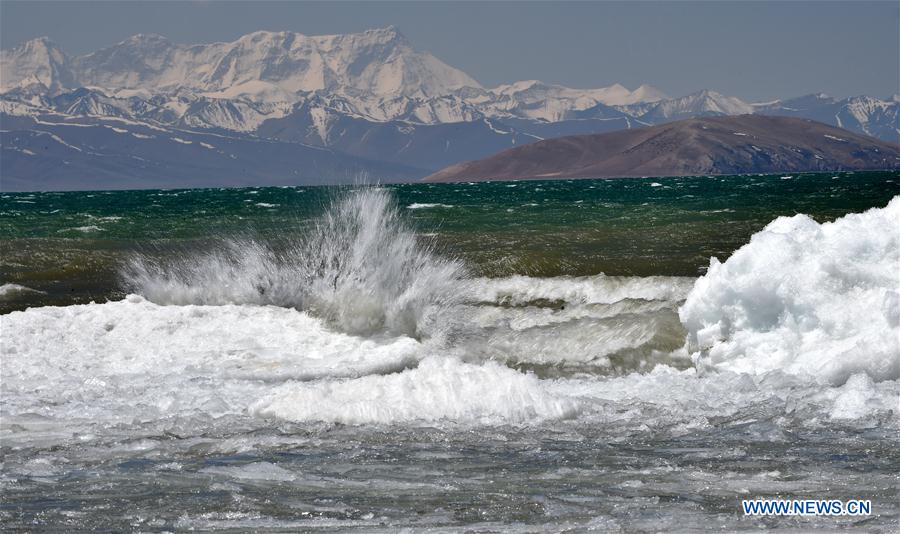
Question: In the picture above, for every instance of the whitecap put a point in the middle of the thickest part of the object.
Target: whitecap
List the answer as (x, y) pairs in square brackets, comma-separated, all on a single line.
[(422, 206), (10, 291)]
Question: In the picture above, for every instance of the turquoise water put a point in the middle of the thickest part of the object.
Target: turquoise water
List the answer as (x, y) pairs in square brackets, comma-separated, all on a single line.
[(70, 246)]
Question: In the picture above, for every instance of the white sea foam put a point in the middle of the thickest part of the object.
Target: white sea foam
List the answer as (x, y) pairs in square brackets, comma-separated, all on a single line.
[(813, 299), (440, 388)]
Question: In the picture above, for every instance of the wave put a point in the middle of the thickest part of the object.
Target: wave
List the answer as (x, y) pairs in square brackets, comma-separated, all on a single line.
[(360, 267), (422, 206), (11, 291), (179, 368), (133, 359), (599, 289), (358, 322), (440, 388), (363, 269), (587, 342), (821, 300)]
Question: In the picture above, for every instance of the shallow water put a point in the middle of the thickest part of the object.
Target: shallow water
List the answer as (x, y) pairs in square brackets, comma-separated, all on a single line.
[(422, 357)]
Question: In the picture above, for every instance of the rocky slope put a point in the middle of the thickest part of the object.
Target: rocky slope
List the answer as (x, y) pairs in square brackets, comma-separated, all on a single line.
[(53, 152), (712, 145)]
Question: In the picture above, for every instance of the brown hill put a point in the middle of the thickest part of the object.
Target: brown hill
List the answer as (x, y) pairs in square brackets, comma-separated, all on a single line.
[(713, 145)]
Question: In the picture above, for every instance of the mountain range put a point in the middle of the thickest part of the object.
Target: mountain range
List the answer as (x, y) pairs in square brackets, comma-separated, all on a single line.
[(370, 101)]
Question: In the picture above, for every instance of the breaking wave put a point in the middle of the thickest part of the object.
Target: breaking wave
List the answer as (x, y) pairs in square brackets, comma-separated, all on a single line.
[(360, 267), (599, 289), (10, 291), (438, 389)]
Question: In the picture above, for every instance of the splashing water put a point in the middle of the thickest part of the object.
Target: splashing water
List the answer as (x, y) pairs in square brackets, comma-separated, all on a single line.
[(360, 267)]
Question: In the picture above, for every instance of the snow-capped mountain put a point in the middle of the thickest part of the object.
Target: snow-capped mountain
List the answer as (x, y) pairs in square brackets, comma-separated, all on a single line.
[(365, 96), (262, 66), (39, 62), (377, 73), (533, 99), (864, 114), (701, 104), (274, 66), (870, 115)]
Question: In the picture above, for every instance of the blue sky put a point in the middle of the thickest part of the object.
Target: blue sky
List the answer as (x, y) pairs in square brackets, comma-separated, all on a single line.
[(754, 50)]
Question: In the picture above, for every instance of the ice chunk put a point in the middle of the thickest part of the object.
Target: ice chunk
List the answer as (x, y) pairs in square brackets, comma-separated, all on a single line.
[(806, 298)]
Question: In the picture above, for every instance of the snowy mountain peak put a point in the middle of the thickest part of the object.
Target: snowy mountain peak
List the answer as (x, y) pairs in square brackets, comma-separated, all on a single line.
[(389, 33), (715, 102), (38, 61), (42, 42), (702, 103), (648, 93), (141, 38), (262, 65), (373, 71), (527, 92), (706, 94)]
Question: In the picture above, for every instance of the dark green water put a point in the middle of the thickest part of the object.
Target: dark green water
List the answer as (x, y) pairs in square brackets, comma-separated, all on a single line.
[(70, 246)]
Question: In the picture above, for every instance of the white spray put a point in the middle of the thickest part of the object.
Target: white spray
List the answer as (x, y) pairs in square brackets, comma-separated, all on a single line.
[(360, 267)]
